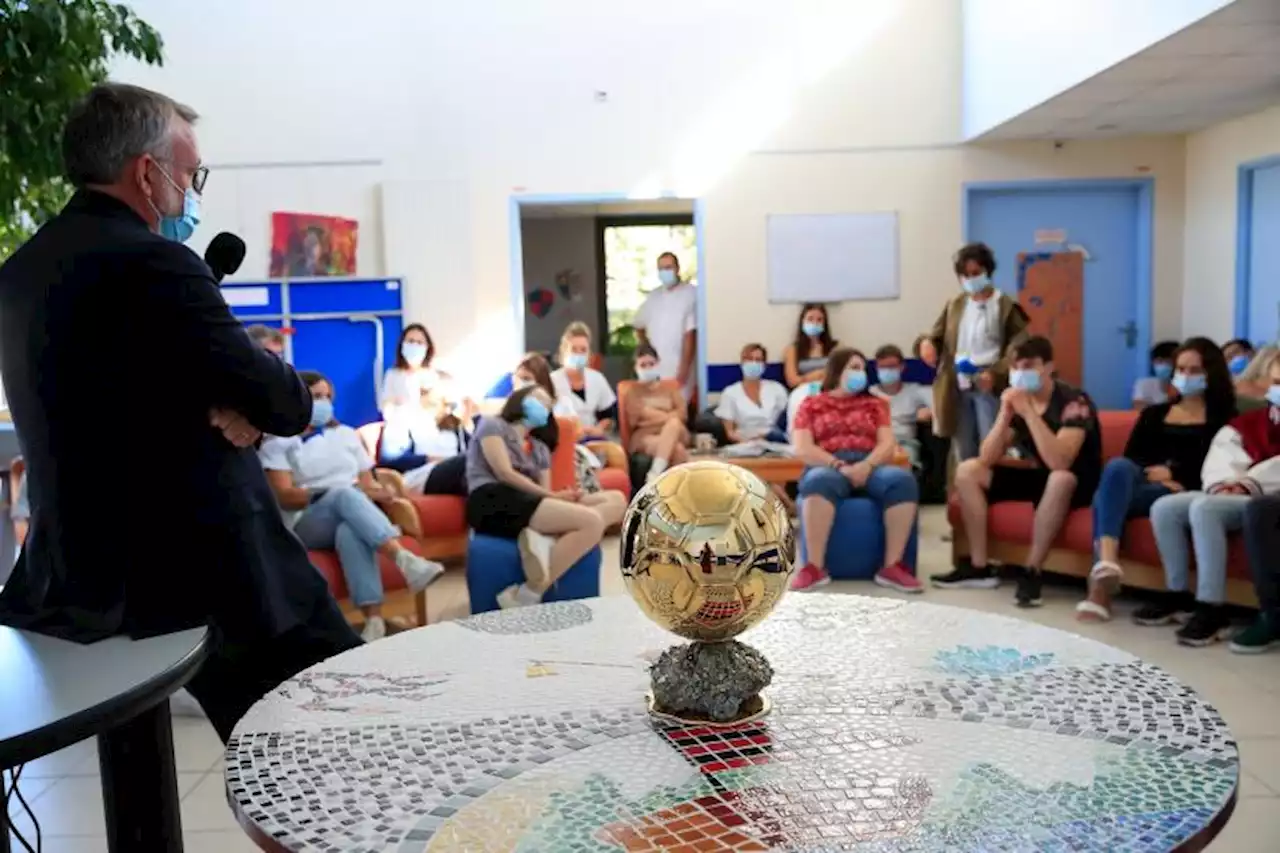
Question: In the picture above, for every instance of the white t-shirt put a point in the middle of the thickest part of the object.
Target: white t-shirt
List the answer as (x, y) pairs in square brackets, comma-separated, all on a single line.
[(405, 387), (665, 317), (798, 396), (753, 421), (980, 335), (905, 406), (330, 459), (596, 396), (1150, 390)]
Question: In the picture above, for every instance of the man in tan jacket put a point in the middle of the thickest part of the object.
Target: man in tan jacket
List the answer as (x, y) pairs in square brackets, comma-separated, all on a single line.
[(969, 346)]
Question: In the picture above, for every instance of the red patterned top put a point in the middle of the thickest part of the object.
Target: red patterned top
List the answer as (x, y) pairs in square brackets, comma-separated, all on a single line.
[(844, 422)]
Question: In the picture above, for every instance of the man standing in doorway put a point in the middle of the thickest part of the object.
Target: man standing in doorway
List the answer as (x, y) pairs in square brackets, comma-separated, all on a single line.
[(667, 321)]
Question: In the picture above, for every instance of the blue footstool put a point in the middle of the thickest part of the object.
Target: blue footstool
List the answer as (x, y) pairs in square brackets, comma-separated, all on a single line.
[(493, 564), (855, 550)]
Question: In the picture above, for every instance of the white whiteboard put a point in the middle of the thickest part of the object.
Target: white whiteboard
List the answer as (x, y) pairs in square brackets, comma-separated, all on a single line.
[(832, 257)]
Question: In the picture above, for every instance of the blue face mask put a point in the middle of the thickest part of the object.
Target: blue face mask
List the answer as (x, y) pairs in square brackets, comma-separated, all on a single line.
[(575, 360), (889, 375), (752, 369), (1238, 364), (1273, 395), (1026, 380), (855, 381), (668, 277), (1188, 385), (1162, 370), (413, 353), (976, 284), (813, 330), (535, 411), (321, 413), (180, 228), (648, 374)]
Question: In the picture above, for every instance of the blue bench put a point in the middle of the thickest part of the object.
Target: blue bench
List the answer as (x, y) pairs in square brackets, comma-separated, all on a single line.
[(493, 564), (855, 550)]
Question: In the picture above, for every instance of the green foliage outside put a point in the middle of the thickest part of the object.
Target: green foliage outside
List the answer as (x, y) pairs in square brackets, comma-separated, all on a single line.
[(630, 260), (51, 53)]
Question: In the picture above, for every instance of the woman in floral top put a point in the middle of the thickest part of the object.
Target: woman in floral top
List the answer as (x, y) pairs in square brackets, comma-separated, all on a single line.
[(845, 436)]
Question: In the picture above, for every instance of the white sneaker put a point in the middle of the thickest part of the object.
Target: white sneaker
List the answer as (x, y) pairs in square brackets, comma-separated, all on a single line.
[(419, 572), (535, 555), (511, 598), (375, 628)]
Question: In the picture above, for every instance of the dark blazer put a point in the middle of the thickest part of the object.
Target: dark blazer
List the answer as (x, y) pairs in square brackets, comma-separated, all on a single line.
[(114, 345)]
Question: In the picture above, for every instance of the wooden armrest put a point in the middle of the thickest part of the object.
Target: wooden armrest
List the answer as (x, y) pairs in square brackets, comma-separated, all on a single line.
[(404, 514), (610, 453), (393, 480)]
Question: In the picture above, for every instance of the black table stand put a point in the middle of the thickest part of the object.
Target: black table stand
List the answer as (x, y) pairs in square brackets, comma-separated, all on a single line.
[(140, 784)]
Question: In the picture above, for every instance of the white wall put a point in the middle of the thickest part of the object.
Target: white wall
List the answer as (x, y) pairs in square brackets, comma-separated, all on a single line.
[(1213, 156), (548, 247), (1020, 53)]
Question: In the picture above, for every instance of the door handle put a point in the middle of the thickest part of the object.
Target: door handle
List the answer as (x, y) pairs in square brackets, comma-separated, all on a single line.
[(1130, 332)]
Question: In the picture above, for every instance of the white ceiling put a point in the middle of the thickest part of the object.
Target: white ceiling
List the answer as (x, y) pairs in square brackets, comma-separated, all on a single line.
[(653, 207), (1223, 66)]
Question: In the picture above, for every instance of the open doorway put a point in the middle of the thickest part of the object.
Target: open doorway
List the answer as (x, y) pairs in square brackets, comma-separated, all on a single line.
[(596, 262)]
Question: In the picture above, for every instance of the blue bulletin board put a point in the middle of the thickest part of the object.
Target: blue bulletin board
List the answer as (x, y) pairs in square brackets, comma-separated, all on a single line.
[(346, 328)]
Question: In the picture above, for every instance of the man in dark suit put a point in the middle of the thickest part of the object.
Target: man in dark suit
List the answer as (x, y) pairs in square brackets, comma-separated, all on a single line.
[(139, 399)]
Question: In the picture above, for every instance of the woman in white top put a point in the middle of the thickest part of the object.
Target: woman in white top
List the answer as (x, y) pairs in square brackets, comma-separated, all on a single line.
[(750, 409), (1155, 389), (582, 392), (418, 424), (323, 480)]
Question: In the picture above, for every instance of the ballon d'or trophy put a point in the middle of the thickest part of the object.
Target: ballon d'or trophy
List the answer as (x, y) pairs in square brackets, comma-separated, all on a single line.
[(707, 552)]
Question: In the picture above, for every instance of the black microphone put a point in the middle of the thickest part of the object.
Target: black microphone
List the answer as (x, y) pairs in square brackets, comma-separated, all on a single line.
[(224, 255)]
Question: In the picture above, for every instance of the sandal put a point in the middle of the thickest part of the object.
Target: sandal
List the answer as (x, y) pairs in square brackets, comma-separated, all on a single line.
[(1107, 576), (1092, 611)]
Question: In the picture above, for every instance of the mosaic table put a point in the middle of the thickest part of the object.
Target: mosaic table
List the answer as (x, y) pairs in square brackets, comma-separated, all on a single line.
[(903, 727)]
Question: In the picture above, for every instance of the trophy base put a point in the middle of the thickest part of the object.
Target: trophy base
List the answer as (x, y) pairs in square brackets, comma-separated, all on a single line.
[(710, 683), (755, 708)]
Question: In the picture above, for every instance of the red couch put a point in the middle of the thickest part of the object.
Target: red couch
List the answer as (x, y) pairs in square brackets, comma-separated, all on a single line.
[(1009, 529), (397, 596)]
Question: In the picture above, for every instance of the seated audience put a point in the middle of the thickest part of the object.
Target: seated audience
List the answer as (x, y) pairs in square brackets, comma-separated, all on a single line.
[(1154, 389), (1164, 455), (655, 416), (1253, 383), (1044, 448), (1238, 353), (510, 497), (844, 435), (1262, 541), (271, 340), (750, 409), (908, 402), (582, 392), (968, 346), (419, 421), (1243, 462), (324, 482), (804, 361)]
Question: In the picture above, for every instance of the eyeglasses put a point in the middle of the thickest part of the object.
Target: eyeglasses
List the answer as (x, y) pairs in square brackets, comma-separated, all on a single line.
[(198, 177)]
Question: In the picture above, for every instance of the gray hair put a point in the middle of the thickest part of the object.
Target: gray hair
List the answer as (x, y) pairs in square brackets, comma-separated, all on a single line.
[(114, 124), (261, 334)]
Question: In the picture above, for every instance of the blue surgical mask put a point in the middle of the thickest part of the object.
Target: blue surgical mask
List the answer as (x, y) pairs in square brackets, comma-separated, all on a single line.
[(976, 284), (1273, 395), (575, 360), (752, 369), (648, 374), (413, 353), (668, 277), (321, 413), (814, 329), (1162, 370), (1026, 380), (889, 375), (536, 413), (1189, 385), (179, 228), (855, 381), (1238, 364)]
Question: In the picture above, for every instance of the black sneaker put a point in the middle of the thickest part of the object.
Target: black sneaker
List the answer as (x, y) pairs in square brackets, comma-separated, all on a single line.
[(965, 576), (1028, 594), (1172, 609), (1207, 625)]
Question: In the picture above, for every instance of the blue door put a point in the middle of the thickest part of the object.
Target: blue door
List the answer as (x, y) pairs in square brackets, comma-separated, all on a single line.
[(1107, 222), (1261, 252)]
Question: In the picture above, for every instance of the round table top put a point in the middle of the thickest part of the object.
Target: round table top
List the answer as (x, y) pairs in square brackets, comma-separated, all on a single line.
[(57, 692), (895, 727)]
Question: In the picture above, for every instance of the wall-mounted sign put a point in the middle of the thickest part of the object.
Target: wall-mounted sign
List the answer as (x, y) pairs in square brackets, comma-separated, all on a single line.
[(1051, 235)]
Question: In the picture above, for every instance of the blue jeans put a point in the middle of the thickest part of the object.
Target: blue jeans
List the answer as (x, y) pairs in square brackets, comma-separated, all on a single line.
[(1123, 493), (977, 415), (1209, 518), (886, 486), (348, 522)]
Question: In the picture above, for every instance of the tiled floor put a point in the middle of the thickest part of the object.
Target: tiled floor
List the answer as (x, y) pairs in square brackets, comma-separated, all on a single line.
[(64, 792)]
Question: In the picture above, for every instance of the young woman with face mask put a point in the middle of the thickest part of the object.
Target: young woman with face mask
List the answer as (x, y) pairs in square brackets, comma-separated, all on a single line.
[(323, 480), (1156, 389), (1162, 457), (583, 392), (804, 361), (655, 413), (845, 436), (419, 426), (510, 496), (750, 409)]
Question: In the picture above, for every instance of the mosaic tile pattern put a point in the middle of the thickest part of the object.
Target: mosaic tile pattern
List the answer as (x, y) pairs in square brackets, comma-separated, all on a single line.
[(897, 728)]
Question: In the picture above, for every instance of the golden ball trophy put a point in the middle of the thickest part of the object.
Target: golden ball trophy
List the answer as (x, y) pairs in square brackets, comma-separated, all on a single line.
[(707, 552)]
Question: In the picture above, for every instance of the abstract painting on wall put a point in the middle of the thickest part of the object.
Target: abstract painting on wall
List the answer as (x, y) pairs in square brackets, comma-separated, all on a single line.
[(305, 244)]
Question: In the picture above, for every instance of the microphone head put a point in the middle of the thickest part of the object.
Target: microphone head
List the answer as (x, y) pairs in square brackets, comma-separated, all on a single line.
[(224, 255)]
